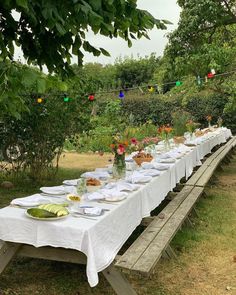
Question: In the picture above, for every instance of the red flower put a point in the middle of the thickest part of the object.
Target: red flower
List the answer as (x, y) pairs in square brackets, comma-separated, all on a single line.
[(134, 141), (121, 149)]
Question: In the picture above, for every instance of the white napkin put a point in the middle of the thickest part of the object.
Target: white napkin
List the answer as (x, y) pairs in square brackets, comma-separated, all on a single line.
[(164, 156), (106, 193), (93, 211), (147, 165), (136, 177), (175, 154), (129, 159), (33, 200), (96, 174), (122, 186), (161, 167), (89, 210), (150, 172)]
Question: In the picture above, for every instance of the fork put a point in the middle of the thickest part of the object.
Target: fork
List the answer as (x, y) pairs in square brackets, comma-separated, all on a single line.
[(82, 216)]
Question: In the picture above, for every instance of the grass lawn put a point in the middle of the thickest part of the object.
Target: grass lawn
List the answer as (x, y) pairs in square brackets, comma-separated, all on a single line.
[(205, 253)]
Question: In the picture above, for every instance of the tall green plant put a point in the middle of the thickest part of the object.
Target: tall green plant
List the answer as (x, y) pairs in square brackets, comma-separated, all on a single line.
[(179, 119)]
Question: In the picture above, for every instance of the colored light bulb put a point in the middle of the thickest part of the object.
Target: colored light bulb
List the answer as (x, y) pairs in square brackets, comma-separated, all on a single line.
[(91, 97), (178, 83), (121, 94)]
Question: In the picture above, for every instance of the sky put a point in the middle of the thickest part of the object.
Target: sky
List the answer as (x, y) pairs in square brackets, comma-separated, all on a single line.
[(161, 9), (117, 47)]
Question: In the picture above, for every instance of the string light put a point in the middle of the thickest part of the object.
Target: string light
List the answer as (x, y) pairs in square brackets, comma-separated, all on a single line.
[(66, 98), (210, 75), (121, 94), (150, 88), (178, 83), (91, 97), (199, 81)]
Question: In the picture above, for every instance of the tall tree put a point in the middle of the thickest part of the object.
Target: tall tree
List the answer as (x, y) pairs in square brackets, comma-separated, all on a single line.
[(49, 31)]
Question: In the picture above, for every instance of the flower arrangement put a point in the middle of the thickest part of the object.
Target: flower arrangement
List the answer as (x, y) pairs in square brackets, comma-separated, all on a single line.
[(219, 122), (208, 118), (191, 126), (150, 140), (165, 132), (139, 146), (119, 147)]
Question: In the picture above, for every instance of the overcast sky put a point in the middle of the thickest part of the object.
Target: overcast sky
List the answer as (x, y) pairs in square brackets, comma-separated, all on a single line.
[(161, 9)]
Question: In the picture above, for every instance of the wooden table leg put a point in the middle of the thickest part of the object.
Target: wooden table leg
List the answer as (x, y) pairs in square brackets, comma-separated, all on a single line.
[(118, 282), (7, 252)]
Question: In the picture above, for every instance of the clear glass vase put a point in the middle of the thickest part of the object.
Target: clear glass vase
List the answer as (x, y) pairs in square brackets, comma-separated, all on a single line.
[(119, 167), (167, 145)]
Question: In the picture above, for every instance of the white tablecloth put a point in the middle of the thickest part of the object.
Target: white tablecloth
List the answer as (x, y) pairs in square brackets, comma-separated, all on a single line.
[(101, 239)]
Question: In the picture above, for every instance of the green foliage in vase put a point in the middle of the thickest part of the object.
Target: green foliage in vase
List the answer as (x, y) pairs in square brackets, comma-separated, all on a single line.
[(179, 119)]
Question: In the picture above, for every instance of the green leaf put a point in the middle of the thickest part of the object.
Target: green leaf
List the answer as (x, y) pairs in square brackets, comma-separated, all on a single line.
[(22, 3), (41, 85), (104, 52), (76, 46), (63, 86), (60, 29), (167, 22), (29, 78), (129, 43)]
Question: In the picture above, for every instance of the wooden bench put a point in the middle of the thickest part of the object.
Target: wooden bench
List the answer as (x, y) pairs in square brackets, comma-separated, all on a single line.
[(144, 253), (154, 242), (202, 176)]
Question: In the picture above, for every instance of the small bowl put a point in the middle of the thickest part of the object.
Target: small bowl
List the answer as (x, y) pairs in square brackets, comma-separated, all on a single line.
[(74, 201)]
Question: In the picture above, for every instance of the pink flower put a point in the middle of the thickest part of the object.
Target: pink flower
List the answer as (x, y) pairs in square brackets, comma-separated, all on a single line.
[(121, 149), (134, 141)]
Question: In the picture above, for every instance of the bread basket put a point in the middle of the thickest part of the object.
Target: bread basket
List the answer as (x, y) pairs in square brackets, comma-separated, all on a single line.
[(179, 139), (140, 158)]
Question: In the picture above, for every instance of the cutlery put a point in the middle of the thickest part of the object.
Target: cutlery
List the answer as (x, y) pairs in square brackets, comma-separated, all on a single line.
[(82, 216), (109, 202), (54, 196)]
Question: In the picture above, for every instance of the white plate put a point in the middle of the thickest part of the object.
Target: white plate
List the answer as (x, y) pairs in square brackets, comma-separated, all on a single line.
[(162, 168), (70, 182), (47, 219), (167, 161), (53, 191), (115, 199)]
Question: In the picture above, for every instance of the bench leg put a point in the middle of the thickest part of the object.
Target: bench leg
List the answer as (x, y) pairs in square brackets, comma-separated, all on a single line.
[(170, 252), (188, 222), (194, 213), (7, 252), (118, 282)]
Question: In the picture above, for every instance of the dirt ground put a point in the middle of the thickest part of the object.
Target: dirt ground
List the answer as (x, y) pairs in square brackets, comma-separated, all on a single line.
[(84, 161)]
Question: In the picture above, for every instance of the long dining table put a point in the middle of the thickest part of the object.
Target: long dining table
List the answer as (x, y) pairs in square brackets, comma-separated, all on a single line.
[(99, 239)]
